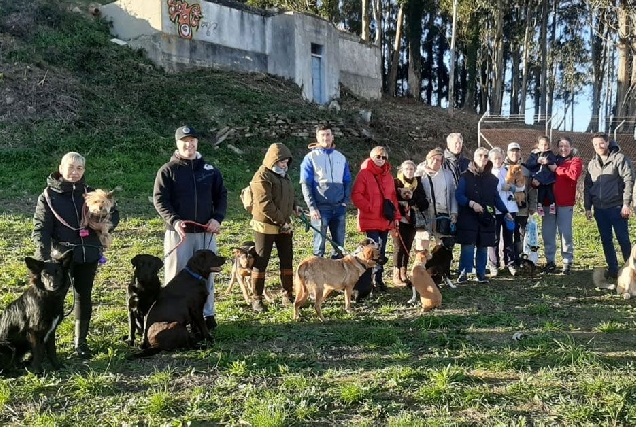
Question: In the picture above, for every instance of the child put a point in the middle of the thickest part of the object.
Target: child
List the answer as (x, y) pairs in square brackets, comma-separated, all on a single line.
[(538, 164)]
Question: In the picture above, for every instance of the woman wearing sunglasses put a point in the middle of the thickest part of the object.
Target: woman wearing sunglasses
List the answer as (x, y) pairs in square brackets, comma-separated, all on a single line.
[(373, 185)]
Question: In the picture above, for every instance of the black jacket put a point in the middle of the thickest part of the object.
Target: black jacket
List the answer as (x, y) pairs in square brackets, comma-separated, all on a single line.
[(480, 187), (67, 201), (189, 190)]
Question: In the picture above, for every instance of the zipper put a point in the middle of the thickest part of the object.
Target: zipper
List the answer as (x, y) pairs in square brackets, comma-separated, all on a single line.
[(79, 221), (196, 201)]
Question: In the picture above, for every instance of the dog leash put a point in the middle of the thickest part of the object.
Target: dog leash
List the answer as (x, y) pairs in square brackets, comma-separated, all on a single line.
[(182, 238), (336, 247), (47, 198)]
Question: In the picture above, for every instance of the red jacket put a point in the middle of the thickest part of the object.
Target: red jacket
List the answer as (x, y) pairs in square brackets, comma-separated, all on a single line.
[(366, 196), (567, 175)]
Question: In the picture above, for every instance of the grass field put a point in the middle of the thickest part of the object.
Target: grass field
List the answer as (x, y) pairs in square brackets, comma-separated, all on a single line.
[(383, 364)]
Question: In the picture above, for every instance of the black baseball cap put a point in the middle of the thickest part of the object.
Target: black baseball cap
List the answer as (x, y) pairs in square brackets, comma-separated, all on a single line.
[(184, 131)]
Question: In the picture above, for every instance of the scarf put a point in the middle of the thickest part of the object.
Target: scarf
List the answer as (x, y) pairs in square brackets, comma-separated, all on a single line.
[(408, 185)]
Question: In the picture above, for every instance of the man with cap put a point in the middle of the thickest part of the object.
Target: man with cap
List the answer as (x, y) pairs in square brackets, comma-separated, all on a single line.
[(439, 185), (454, 161), (513, 157), (188, 189)]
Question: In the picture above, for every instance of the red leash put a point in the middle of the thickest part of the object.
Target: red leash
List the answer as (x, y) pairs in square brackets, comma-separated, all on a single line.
[(182, 238)]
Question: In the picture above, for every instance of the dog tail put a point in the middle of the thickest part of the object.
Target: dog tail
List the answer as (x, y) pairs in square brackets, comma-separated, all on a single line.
[(146, 352), (299, 282), (598, 277)]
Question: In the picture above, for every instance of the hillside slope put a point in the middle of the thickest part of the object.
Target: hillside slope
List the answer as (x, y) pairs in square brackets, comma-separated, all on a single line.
[(64, 86)]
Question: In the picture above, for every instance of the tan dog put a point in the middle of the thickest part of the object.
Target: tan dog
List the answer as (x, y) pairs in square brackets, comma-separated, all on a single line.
[(97, 214), (516, 178), (423, 283), (321, 276), (244, 258), (626, 285)]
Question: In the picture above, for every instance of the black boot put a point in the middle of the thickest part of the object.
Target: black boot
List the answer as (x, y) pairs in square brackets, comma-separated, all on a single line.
[(81, 331)]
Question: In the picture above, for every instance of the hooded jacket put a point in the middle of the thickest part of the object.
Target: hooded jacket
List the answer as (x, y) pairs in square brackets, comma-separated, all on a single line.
[(367, 197), (567, 176), (49, 233), (608, 184), (272, 194), (479, 187), (325, 178), (190, 190)]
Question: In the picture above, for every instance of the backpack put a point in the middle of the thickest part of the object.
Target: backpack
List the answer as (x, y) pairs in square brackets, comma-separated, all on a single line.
[(246, 198)]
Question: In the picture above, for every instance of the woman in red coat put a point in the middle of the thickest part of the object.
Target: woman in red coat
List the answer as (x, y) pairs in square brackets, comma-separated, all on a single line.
[(568, 169), (373, 184)]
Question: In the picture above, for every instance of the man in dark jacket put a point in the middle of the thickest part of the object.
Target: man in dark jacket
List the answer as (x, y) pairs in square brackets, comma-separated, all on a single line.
[(188, 190), (608, 189), (454, 160)]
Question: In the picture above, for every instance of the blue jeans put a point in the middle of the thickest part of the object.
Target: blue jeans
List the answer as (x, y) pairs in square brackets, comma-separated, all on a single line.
[(606, 220), (470, 253), (380, 237), (333, 219)]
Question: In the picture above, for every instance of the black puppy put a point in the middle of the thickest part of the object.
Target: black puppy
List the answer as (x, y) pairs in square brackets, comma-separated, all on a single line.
[(143, 290), (439, 266), (29, 323), (179, 306)]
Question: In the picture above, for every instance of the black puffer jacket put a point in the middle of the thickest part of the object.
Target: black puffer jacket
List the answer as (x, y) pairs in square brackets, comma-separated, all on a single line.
[(480, 187), (67, 200), (189, 190)]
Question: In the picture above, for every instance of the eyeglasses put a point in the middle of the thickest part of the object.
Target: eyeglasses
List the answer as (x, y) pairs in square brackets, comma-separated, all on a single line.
[(482, 155), (380, 157)]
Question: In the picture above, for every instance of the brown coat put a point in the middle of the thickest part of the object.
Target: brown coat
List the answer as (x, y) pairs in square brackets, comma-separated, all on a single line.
[(272, 194)]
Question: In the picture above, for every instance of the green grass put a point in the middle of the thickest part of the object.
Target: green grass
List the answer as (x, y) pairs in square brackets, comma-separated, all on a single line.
[(383, 364)]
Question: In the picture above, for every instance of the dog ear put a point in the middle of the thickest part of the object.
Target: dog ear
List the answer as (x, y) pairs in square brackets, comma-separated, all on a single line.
[(135, 260), (237, 251), (110, 194), (35, 266), (158, 263)]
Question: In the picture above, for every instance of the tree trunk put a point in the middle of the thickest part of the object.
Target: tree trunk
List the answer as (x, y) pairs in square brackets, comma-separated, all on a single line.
[(544, 61), (451, 74), (471, 62), (553, 65), (365, 20), (498, 63), (414, 11), (397, 47), (527, 39), (624, 60), (599, 60), (377, 17)]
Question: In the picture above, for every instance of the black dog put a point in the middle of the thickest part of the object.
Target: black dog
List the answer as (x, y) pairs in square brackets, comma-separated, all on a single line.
[(439, 266), (179, 306), (29, 323), (143, 291)]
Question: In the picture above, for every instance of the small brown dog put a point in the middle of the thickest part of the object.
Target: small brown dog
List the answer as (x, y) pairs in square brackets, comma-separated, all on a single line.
[(516, 178), (423, 283), (99, 204), (321, 276), (244, 258)]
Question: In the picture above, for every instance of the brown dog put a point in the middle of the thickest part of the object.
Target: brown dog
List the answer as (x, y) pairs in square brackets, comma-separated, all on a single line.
[(516, 178), (321, 276), (179, 305), (244, 259), (423, 283), (99, 204)]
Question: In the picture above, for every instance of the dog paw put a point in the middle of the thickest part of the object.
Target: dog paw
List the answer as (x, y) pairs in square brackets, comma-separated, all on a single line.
[(627, 295), (412, 301)]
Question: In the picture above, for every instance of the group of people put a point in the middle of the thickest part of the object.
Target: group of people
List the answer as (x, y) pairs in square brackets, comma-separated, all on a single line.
[(447, 198)]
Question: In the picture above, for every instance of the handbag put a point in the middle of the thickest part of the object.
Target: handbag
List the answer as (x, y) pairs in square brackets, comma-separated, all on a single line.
[(388, 208), (419, 220)]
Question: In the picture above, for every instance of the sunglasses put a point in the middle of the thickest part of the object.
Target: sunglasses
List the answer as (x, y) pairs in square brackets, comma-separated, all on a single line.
[(381, 157)]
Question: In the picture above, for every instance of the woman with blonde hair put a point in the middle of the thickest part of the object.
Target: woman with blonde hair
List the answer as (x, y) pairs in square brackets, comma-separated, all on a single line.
[(373, 185), (413, 204)]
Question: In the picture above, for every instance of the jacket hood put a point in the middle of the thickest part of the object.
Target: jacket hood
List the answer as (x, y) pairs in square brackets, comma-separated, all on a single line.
[(472, 168), (375, 169), (177, 158), (56, 183), (276, 153)]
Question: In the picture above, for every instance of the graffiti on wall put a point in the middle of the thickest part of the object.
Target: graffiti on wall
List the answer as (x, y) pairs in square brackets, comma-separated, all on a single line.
[(187, 17)]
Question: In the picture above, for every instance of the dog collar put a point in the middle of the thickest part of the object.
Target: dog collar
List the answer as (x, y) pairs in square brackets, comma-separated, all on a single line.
[(195, 275), (361, 263)]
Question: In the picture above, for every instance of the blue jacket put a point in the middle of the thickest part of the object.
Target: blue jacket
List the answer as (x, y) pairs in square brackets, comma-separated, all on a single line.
[(480, 187), (189, 190), (325, 178)]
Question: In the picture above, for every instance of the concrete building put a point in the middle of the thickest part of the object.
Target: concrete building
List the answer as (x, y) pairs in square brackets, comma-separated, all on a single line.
[(226, 34)]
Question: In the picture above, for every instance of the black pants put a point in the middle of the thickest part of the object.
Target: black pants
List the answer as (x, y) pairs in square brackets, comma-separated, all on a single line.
[(519, 235), (263, 245), (546, 191), (83, 277), (402, 248)]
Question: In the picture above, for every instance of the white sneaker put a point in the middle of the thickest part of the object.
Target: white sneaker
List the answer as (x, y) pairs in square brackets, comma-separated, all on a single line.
[(493, 270)]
